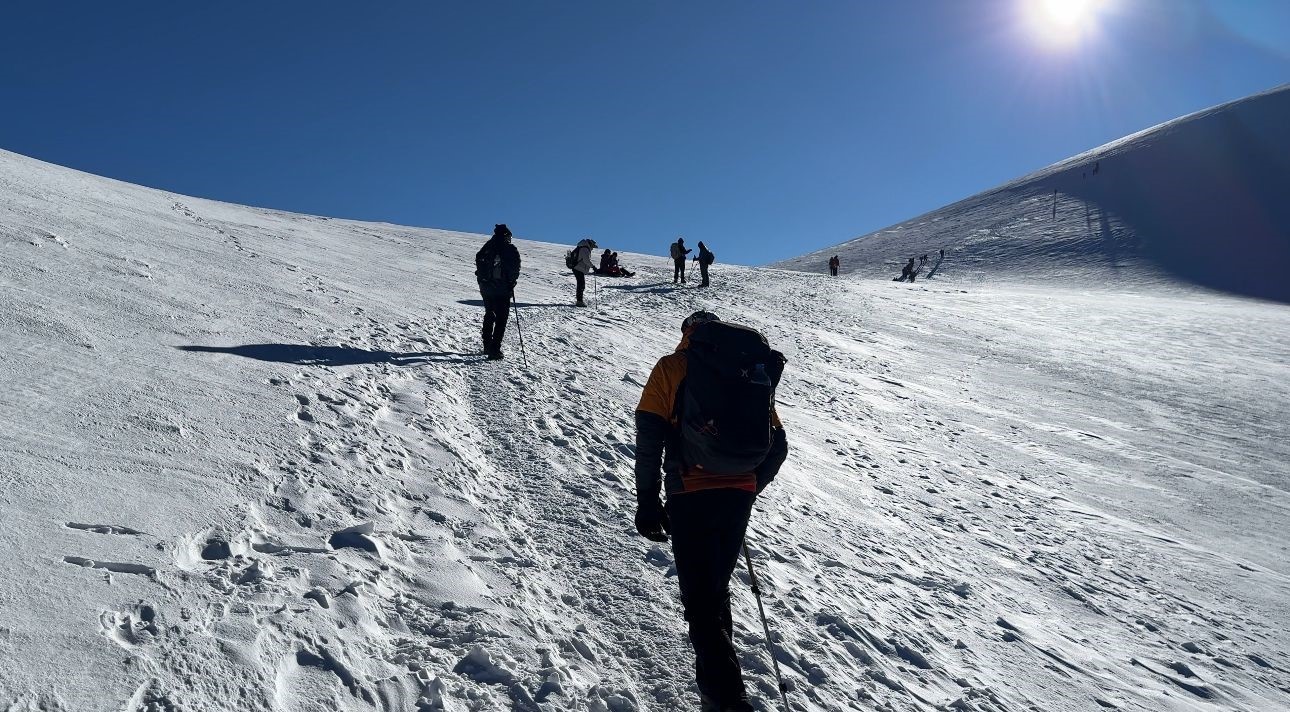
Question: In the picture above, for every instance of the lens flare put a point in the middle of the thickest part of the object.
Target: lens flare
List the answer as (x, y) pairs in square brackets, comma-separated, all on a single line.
[(1062, 22)]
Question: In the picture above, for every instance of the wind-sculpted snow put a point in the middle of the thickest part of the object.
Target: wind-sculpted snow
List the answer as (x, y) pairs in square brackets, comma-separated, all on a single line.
[(1200, 200), (254, 461)]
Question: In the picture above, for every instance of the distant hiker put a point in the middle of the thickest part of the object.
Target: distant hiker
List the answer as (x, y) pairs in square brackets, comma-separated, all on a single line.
[(706, 258), (834, 264), (906, 272), (606, 261), (579, 260), (707, 422), (914, 269), (1097, 167), (497, 268), (936, 266), (679, 252)]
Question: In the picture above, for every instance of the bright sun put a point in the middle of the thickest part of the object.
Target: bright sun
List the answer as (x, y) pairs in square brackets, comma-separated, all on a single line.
[(1062, 22)]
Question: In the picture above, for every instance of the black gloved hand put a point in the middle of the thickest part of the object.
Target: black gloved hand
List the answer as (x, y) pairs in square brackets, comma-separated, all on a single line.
[(652, 521)]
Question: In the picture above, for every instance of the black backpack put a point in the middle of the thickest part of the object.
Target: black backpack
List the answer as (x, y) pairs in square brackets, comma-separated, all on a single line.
[(726, 399), (571, 258), (488, 267)]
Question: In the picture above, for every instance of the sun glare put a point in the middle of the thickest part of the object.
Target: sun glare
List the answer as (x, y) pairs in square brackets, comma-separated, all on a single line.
[(1062, 22)]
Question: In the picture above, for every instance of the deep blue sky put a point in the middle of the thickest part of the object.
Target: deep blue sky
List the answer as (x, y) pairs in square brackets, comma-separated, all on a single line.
[(766, 128)]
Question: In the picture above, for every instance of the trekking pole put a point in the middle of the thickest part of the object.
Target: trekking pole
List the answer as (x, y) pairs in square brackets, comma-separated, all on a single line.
[(752, 577), (519, 330)]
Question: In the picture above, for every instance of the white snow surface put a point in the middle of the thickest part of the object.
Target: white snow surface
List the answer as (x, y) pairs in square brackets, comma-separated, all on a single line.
[(252, 460)]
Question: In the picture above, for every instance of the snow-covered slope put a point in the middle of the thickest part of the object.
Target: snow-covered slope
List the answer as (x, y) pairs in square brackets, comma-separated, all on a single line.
[(251, 461), (1201, 200)]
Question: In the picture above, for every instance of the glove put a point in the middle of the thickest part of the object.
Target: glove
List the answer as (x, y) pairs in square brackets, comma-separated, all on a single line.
[(652, 521)]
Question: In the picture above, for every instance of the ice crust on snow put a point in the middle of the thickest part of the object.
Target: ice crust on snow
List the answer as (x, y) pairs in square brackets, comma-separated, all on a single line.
[(253, 461)]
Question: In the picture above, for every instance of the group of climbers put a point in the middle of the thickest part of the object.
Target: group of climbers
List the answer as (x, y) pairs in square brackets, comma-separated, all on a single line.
[(610, 267), (707, 436), (497, 268), (678, 251), (911, 270)]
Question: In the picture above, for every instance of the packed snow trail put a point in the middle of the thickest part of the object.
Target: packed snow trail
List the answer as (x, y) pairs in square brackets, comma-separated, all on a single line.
[(254, 460)]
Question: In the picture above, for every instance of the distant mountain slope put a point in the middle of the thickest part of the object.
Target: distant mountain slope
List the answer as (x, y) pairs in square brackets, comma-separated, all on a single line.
[(1204, 199)]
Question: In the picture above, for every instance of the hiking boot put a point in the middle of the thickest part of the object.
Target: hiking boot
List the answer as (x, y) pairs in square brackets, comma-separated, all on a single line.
[(580, 303), (495, 355)]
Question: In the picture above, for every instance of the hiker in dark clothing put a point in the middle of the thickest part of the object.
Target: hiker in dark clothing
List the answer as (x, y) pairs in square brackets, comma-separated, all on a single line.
[(678, 253), (939, 260), (706, 258), (582, 267), (617, 270), (609, 266), (834, 263), (706, 513), (497, 268), (906, 273)]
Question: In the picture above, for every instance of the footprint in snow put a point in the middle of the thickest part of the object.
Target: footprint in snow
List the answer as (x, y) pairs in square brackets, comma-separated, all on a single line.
[(104, 529), (136, 625), (113, 566)]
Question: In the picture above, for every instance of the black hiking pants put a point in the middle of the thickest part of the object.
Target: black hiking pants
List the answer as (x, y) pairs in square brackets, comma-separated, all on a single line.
[(496, 311), (678, 272), (581, 279), (707, 538), (703, 270), (833, 271)]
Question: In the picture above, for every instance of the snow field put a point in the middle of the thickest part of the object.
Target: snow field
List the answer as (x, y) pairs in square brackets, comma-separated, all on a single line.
[(253, 460)]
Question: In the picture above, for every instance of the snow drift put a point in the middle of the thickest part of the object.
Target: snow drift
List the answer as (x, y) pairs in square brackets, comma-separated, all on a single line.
[(1201, 199), (251, 460)]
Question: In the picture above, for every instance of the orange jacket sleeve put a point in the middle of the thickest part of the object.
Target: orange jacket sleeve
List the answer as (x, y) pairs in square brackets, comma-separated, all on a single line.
[(659, 395)]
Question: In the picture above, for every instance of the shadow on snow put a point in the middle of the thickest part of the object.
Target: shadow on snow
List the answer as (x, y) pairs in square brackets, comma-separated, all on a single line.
[(656, 288), (522, 305), (306, 355)]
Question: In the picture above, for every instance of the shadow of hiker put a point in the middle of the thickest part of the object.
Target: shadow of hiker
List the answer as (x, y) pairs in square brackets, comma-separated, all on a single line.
[(522, 305), (306, 355), (656, 288)]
